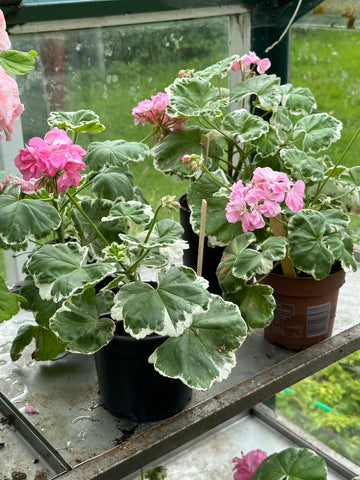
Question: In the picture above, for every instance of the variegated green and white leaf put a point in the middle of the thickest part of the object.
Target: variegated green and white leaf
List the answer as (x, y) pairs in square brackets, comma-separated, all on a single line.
[(258, 85), (218, 229), (168, 153), (268, 144), (292, 464), (21, 220), (139, 213), (250, 262), (114, 183), (218, 69), (165, 310), (114, 153), (79, 121), (299, 101), (280, 119), (320, 131), (244, 126), (194, 97), (308, 250), (205, 352), (228, 282), (98, 210), (60, 270), (82, 323), (255, 302)]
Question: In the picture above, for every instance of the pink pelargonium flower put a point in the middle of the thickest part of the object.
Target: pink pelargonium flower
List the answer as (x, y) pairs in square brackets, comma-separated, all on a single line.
[(71, 175), (5, 43), (55, 156), (246, 466), (11, 179), (262, 196), (294, 196), (262, 64), (154, 111), (10, 106)]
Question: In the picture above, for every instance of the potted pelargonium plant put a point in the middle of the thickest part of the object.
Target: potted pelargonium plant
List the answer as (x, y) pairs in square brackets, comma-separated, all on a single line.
[(257, 154), (99, 258)]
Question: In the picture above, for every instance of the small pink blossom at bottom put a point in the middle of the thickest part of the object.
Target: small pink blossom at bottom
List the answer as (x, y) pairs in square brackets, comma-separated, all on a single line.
[(30, 409), (246, 466)]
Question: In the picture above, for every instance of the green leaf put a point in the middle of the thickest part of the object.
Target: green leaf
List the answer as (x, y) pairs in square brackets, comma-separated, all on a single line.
[(114, 183), (59, 270), (320, 131), (42, 309), (249, 262), (268, 144), (228, 282), (219, 69), (310, 168), (81, 322), (156, 473), (79, 121), (168, 153), (342, 249), (245, 126), (299, 101), (256, 303), (17, 62), (137, 212), (258, 85), (165, 310), (218, 229), (9, 302), (307, 243), (280, 119), (194, 97), (114, 153), (292, 464), (205, 352), (98, 210), (47, 345), (352, 176), (21, 220)]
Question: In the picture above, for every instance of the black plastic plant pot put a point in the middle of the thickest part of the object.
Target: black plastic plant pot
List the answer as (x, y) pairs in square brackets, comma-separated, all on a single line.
[(130, 386), (212, 255)]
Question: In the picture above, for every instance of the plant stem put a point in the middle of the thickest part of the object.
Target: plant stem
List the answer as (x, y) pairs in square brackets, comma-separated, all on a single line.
[(329, 175), (216, 179), (96, 230)]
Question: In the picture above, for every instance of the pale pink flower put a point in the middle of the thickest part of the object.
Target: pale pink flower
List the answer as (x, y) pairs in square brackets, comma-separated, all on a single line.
[(251, 221), (57, 136), (5, 43), (154, 112), (250, 58), (269, 209), (246, 466), (236, 66), (71, 175), (263, 65), (294, 196), (31, 410), (10, 106)]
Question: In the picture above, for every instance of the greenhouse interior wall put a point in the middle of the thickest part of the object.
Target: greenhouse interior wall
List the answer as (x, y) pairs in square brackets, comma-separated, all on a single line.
[(109, 63)]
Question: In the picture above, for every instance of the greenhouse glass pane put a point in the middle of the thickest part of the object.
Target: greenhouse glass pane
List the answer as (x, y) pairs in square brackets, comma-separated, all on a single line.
[(109, 70)]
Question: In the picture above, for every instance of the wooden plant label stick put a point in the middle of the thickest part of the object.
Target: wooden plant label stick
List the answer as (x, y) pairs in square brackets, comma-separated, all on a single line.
[(278, 231), (201, 237)]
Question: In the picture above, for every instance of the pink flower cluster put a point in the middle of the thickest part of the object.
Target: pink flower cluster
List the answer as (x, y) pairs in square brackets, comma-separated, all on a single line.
[(246, 466), (10, 106), (262, 64), (262, 197), (154, 111), (54, 157)]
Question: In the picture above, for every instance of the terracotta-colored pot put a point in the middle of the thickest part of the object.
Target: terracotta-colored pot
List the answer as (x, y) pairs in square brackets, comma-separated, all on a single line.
[(305, 309)]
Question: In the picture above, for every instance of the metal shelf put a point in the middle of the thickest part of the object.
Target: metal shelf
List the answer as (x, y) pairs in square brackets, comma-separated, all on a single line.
[(76, 438)]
